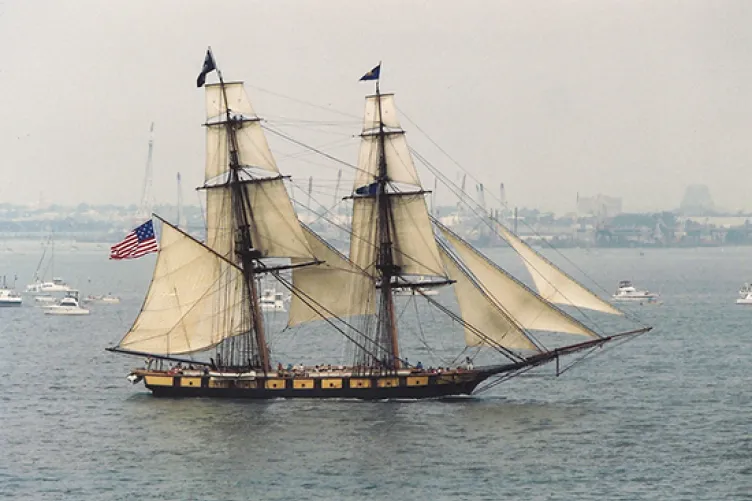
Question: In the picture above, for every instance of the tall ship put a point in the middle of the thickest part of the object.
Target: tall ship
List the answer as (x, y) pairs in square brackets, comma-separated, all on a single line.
[(202, 327)]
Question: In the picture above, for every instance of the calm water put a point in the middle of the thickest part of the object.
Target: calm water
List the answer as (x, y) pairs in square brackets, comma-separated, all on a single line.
[(667, 416)]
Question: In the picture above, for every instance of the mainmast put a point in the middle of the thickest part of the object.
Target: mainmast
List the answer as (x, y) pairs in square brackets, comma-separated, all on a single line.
[(387, 335), (246, 254)]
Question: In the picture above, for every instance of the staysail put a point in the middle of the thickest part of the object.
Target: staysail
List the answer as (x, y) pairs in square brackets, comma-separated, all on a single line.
[(529, 309), (191, 299), (334, 288), (482, 314), (552, 283)]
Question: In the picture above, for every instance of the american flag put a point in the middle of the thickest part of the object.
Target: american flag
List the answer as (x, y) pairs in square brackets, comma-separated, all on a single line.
[(137, 243)]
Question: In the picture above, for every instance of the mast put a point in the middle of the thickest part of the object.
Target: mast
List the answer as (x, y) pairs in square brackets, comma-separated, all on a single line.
[(244, 250), (147, 199), (179, 219), (387, 335)]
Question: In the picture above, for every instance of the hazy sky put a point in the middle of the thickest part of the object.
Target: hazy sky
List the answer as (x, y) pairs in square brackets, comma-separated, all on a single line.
[(627, 98)]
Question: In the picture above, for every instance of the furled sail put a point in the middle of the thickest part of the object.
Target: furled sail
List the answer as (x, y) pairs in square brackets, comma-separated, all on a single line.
[(334, 288), (552, 283), (253, 149), (528, 309), (481, 313), (195, 300), (399, 163), (413, 244), (275, 230)]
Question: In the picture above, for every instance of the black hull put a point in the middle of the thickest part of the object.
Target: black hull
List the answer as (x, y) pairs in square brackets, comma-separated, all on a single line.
[(422, 387)]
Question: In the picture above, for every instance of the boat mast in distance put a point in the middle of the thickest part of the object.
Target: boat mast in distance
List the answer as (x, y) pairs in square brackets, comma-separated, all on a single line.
[(147, 196)]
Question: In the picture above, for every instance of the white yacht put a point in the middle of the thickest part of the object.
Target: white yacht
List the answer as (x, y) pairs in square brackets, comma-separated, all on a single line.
[(9, 297), (57, 285), (272, 301), (627, 292), (67, 306), (745, 294)]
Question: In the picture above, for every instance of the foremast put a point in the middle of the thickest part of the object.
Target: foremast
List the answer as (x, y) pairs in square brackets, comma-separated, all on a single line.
[(247, 257)]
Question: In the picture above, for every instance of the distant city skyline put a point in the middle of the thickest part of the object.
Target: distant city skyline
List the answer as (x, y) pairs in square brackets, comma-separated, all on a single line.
[(634, 100)]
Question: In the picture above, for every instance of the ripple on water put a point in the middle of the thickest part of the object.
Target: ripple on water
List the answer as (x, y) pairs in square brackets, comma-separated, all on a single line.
[(664, 417)]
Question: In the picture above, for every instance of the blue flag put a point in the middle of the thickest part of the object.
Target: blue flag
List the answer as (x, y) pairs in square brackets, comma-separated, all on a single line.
[(373, 74), (369, 189), (208, 67)]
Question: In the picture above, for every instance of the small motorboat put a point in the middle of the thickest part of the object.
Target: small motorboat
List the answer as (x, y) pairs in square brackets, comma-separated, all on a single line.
[(745, 295), (67, 306), (628, 293)]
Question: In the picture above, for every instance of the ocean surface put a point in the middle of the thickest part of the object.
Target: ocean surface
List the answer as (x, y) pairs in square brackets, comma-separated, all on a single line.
[(667, 416)]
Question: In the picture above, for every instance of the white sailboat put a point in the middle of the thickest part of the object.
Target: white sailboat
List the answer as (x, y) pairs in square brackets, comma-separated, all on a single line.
[(46, 267)]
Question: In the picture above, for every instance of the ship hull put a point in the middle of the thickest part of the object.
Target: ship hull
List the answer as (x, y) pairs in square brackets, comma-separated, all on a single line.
[(356, 387)]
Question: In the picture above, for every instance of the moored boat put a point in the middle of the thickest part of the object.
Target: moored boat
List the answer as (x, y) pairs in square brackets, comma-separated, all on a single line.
[(627, 292), (9, 297), (67, 306), (745, 294), (104, 299)]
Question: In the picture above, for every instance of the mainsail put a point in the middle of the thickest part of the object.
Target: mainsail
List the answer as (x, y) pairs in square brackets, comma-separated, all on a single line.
[(553, 284), (193, 302)]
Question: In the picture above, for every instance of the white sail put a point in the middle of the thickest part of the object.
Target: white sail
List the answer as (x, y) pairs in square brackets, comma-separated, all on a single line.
[(413, 244), (482, 314), (194, 301), (238, 100), (334, 288), (275, 230), (388, 113), (528, 309), (253, 150), (220, 235), (552, 283), (399, 161)]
